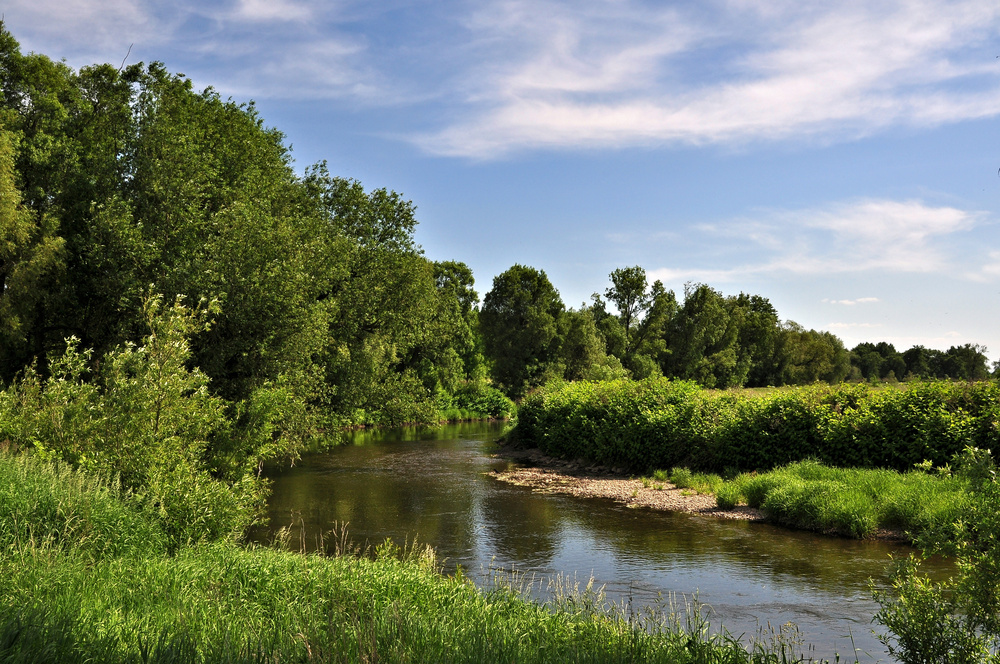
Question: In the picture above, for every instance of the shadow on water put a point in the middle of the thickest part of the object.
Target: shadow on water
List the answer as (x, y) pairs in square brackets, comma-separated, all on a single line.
[(435, 485)]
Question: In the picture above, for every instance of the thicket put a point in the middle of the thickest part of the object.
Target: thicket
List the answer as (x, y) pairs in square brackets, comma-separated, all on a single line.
[(660, 423)]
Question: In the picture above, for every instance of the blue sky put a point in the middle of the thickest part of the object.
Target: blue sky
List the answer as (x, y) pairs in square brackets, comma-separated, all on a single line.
[(840, 159)]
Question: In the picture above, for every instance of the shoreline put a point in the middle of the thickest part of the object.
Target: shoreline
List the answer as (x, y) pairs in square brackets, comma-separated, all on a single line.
[(583, 479)]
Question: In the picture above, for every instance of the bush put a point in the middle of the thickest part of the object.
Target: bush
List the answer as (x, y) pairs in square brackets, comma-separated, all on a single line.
[(483, 399), (661, 423), (148, 420)]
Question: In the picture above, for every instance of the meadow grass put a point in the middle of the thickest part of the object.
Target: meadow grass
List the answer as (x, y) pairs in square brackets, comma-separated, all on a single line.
[(849, 501), (66, 598)]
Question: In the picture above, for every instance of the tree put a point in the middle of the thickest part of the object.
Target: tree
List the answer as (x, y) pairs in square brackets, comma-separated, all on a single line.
[(808, 356), (758, 328), (31, 258), (583, 354), (643, 311), (702, 340), (519, 324)]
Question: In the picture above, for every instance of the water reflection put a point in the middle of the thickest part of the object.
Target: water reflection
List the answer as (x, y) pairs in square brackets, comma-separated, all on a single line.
[(436, 485)]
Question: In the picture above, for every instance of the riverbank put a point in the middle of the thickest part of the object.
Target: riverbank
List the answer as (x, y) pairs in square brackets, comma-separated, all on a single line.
[(89, 578), (546, 474), (582, 479)]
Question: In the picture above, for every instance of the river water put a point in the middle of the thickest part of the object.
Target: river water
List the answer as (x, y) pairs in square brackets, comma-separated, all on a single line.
[(435, 486)]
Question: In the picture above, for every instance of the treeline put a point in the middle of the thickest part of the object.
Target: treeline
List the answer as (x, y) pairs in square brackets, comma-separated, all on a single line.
[(881, 361), (122, 184), (716, 340)]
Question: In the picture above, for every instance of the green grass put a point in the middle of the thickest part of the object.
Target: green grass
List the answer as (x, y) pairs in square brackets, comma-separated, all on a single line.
[(684, 478), (85, 577), (853, 502)]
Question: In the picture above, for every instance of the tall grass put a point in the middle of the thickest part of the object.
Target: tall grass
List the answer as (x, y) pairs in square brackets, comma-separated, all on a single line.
[(849, 501), (67, 598)]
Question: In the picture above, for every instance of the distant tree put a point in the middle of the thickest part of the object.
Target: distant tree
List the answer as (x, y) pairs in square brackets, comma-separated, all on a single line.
[(582, 350), (629, 295), (809, 356), (703, 340), (758, 328), (643, 313), (966, 362), (922, 362), (519, 323)]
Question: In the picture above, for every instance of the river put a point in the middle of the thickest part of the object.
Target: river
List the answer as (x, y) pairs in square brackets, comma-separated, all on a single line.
[(435, 486)]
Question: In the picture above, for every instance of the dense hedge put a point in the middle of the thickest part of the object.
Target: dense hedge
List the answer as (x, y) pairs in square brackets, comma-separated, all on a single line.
[(661, 423)]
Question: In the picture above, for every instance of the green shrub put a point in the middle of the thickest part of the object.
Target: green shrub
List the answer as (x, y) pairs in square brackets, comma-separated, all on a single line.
[(148, 420), (661, 423), (485, 400)]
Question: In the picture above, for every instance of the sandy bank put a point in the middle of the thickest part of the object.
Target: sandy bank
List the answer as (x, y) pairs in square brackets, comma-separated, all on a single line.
[(549, 475)]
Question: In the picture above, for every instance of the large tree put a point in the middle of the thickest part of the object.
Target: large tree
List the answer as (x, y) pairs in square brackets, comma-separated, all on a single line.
[(636, 335), (519, 324)]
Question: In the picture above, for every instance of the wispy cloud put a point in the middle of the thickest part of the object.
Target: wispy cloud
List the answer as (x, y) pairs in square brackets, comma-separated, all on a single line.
[(855, 237), (611, 74), (293, 49), (851, 303), (496, 77)]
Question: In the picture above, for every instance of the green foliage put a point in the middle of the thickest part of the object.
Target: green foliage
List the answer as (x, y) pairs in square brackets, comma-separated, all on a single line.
[(957, 620), (485, 400), (120, 182), (519, 323), (660, 423), (145, 418)]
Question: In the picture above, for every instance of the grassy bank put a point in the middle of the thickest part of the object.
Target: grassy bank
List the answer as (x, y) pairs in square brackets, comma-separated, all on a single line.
[(644, 425), (87, 577), (853, 502)]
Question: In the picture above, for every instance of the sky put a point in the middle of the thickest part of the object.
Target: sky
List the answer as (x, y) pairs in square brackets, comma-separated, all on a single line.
[(841, 159)]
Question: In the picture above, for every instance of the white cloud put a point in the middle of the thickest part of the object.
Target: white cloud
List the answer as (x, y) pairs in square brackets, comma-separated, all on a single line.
[(609, 74), (248, 48), (84, 27), (851, 303), (509, 75), (842, 238), (271, 10), (842, 326)]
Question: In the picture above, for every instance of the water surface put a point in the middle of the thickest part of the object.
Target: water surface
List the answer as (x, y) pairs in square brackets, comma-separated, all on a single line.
[(436, 486)]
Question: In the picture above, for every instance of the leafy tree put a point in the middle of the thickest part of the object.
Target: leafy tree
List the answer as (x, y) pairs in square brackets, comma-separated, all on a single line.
[(583, 355), (643, 312), (31, 257), (703, 340), (966, 362), (808, 356), (758, 330), (519, 323)]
